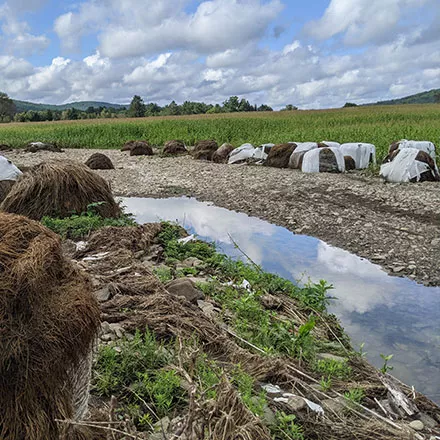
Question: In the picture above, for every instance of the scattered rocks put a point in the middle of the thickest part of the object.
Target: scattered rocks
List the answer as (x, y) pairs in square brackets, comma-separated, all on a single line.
[(103, 294), (186, 288)]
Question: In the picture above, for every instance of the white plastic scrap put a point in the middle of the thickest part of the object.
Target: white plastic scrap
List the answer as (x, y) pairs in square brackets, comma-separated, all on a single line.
[(301, 148), (361, 153), (404, 167), (97, 257), (272, 389), (426, 146), (312, 405), (311, 160), (81, 246), (331, 144), (241, 153), (8, 171), (187, 239)]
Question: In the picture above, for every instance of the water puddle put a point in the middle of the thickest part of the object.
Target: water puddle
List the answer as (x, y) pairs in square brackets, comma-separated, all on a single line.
[(390, 315)]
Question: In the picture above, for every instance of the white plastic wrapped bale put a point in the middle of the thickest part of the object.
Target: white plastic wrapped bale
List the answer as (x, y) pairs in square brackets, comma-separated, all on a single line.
[(426, 146), (8, 171), (361, 153), (259, 153), (331, 144), (297, 156), (241, 154), (323, 160), (404, 167)]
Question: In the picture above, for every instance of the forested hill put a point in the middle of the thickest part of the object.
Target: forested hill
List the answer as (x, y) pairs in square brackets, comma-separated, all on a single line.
[(431, 97), (23, 106)]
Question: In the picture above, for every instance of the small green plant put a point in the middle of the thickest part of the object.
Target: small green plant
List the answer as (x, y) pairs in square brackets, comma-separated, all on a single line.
[(255, 402), (331, 368), (355, 395), (208, 374), (286, 428), (361, 351), (78, 226), (385, 367), (163, 273), (325, 383)]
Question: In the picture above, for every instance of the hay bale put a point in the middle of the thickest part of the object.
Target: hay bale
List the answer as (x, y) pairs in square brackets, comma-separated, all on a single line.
[(57, 188), (4, 147), (49, 321), (98, 161), (279, 155), (204, 150), (222, 153), (350, 164), (35, 147), (174, 148), (327, 161), (141, 149), (5, 187)]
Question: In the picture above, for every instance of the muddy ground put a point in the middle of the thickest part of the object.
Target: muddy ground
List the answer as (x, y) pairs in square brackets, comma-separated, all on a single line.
[(394, 225)]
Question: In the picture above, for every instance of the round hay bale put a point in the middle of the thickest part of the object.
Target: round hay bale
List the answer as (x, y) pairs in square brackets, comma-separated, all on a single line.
[(58, 188), (35, 147), (98, 161), (174, 148), (430, 175), (141, 149), (350, 164), (5, 187), (222, 153), (49, 321), (204, 150), (279, 155), (4, 147)]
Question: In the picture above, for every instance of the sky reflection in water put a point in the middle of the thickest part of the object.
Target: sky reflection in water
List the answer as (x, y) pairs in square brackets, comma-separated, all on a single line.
[(389, 314)]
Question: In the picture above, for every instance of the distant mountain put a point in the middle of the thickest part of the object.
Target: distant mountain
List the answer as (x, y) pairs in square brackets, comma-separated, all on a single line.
[(23, 106), (431, 97)]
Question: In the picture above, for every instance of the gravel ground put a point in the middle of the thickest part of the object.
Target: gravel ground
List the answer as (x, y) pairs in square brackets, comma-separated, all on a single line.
[(394, 225)]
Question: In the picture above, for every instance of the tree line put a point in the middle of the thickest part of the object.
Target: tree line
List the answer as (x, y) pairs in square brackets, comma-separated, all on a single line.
[(137, 108)]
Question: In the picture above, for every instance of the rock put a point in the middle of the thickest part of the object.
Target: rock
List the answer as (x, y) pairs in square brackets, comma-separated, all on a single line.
[(162, 425), (330, 357), (184, 287), (428, 421), (99, 161), (191, 262), (398, 269), (435, 242), (106, 338), (117, 330), (117, 349), (174, 147), (268, 416), (105, 327), (272, 391), (336, 405), (271, 302), (222, 153), (296, 404), (103, 294), (206, 307), (417, 425)]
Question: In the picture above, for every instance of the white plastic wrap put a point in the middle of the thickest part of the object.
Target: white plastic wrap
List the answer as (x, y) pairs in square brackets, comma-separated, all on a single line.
[(426, 146), (311, 160), (331, 144), (361, 153), (404, 167), (259, 153), (8, 171), (300, 150), (241, 153)]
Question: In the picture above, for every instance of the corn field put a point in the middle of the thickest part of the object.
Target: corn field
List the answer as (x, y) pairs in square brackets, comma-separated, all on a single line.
[(373, 124)]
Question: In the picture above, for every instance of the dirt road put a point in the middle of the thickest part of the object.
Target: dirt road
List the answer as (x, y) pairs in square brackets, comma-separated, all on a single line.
[(394, 225)]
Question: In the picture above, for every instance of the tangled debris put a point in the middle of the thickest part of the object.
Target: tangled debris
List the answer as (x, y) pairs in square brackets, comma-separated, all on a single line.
[(251, 360)]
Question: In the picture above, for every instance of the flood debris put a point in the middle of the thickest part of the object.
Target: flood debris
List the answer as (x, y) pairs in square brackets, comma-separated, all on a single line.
[(59, 188), (49, 321), (242, 353), (36, 147)]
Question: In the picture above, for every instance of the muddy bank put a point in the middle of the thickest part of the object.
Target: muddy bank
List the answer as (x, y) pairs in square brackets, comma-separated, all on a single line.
[(394, 225)]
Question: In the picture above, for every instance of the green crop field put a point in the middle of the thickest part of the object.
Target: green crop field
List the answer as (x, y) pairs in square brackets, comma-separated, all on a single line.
[(379, 125)]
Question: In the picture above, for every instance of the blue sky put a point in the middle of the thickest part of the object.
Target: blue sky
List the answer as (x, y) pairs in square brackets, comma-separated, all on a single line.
[(314, 54)]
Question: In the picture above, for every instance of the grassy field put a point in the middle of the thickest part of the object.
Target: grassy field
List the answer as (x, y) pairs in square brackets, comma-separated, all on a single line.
[(379, 125)]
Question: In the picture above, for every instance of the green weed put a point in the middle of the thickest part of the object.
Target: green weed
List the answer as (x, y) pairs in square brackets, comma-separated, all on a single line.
[(332, 369), (286, 428)]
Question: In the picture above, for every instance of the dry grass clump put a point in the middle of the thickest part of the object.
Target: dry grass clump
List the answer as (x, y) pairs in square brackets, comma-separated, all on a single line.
[(58, 188), (5, 187), (48, 321), (99, 161)]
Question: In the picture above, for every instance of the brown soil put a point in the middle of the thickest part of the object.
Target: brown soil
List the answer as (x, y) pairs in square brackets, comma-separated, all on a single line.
[(394, 225)]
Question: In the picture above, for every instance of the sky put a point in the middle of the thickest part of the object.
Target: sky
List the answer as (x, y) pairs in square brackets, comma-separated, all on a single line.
[(312, 54)]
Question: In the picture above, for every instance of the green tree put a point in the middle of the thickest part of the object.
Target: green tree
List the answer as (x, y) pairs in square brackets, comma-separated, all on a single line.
[(350, 104), (232, 104), (137, 107), (7, 108), (289, 108), (264, 108)]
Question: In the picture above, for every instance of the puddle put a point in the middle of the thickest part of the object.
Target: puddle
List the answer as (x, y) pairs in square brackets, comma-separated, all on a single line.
[(390, 315)]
